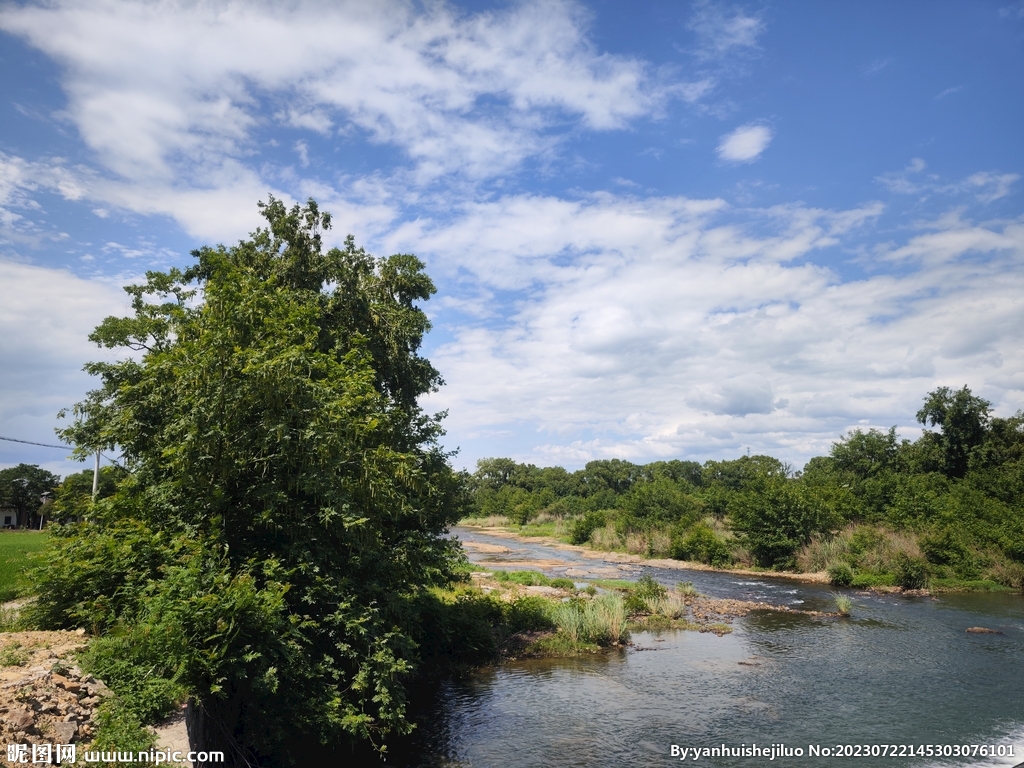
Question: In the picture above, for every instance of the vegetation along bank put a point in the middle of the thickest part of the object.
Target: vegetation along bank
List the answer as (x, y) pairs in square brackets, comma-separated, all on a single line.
[(945, 511)]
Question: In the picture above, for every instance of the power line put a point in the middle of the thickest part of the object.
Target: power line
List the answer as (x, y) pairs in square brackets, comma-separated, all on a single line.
[(48, 445), (29, 442)]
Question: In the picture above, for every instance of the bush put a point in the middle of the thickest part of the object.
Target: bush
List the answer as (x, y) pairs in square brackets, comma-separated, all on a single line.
[(700, 544), (911, 572), (778, 516), (646, 589), (840, 575), (533, 579), (143, 683), (527, 614), (583, 527)]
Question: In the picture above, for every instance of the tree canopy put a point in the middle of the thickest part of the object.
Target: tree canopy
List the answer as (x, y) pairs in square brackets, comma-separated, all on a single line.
[(286, 495)]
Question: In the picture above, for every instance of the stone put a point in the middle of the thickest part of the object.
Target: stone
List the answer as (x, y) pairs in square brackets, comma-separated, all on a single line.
[(983, 631), (64, 733), (20, 721), (67, 685)]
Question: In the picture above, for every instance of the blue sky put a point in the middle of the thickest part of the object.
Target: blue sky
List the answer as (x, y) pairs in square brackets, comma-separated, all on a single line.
[(658, 230)]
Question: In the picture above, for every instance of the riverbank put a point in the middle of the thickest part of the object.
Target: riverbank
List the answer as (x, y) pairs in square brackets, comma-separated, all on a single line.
[(935, 586), (568, 603), (820, 577)]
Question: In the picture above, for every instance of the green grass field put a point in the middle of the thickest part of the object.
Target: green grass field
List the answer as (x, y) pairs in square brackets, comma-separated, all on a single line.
[(14, 549)]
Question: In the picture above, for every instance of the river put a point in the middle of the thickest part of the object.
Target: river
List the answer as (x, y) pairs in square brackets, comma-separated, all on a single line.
[(900, 671)]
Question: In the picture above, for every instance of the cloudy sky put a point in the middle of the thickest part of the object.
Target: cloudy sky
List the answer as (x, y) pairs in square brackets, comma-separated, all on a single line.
[(658, 230)]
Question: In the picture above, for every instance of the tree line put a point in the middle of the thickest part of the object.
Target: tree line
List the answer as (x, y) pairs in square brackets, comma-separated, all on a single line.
[(946, 507)]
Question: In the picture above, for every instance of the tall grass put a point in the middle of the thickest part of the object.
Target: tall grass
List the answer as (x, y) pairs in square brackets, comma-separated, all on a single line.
[(671, 606), (686, 589), (844, 605), (601, 621), (609, 617), (606, 538), (866, 548)]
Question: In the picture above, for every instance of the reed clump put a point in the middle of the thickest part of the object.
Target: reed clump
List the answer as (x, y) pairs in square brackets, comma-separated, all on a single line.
[(844, 605), (600, 621)]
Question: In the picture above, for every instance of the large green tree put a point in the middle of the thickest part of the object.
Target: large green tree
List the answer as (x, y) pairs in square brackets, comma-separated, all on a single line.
[(287, 498)]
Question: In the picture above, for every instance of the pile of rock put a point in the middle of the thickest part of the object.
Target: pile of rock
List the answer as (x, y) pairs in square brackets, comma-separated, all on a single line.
[(44, 696)]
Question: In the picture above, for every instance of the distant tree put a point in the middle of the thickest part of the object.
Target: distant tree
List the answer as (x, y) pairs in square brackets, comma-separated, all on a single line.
[(963, 420), (611, 474), (866, 454), (738, 474), (22, 488)]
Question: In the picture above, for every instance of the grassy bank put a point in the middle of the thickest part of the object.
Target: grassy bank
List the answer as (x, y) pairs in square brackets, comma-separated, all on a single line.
[(14, 549), (861, 556)]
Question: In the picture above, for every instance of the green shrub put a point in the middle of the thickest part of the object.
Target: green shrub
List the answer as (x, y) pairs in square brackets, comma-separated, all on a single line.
[(458, 629), (527, 614), (583, 527), (94, 576), (911, 572), (840, 574), (533, 579), (777, 516), (865, 579), (137, 677), (525, 578), (645, 589), (700, 544), (120, 730)]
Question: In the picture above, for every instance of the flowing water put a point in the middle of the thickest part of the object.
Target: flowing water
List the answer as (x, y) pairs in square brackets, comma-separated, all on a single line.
[(900, 671)]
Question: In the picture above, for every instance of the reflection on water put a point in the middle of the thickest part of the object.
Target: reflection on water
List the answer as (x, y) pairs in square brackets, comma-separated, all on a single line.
[(901, 670)]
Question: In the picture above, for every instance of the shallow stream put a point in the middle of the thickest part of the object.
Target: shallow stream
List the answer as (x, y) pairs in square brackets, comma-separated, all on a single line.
[(900, 671)]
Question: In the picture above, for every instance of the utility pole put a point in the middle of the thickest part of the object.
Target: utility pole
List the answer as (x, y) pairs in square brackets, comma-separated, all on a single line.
[(96, 476)]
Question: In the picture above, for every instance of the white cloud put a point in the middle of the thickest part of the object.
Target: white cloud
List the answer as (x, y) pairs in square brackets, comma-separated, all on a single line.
[(991, 186), (985, 186), (678, 327), (47, 315), (745, 144), (875, 66), (157, 89), (722, 32), (948, 92)]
